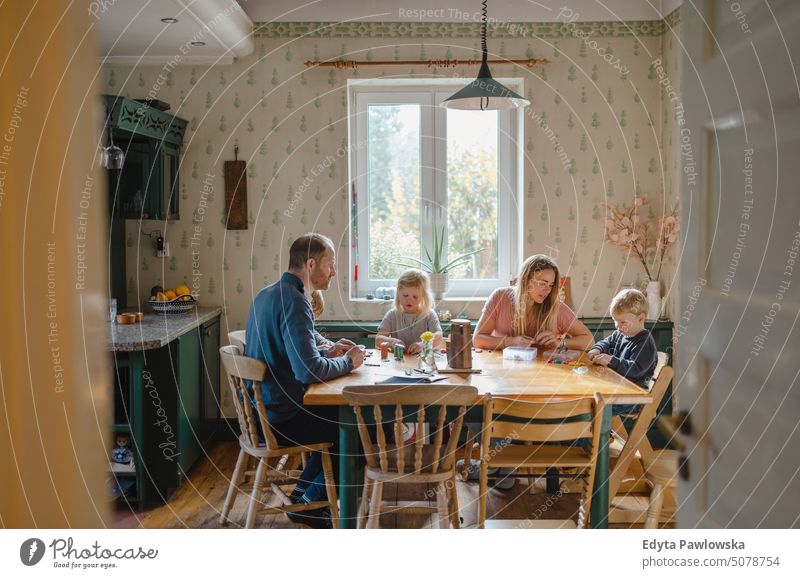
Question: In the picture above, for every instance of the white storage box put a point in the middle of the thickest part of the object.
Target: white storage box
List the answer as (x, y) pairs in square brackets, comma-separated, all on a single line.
[(520, 353)]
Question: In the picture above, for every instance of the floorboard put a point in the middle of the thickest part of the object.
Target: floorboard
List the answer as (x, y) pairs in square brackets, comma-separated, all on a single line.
[(198, 502)]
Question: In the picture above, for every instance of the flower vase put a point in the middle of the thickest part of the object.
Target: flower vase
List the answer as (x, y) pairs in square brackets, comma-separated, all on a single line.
[(654, 300), (426, 359)]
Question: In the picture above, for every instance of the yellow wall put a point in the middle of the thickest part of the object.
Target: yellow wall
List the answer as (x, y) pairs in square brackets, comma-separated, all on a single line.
[(54, 379)]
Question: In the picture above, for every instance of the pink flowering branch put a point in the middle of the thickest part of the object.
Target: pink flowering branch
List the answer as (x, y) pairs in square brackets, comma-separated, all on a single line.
[(649, 242)]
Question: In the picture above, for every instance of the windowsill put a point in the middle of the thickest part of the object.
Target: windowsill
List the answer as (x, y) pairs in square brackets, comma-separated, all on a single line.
[(446, 300)]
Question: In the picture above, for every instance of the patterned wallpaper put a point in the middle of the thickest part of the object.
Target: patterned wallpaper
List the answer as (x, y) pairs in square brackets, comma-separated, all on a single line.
[(597, 129), (671, 110)]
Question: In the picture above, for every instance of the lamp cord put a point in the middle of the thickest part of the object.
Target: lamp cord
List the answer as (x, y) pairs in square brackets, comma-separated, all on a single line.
[(483, 31)]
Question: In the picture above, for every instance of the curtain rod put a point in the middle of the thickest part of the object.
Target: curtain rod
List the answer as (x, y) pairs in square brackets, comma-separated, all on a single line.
[(529, 62)]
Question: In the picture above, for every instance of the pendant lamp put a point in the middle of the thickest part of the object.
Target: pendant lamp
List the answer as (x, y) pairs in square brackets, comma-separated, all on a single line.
[(485, 93)]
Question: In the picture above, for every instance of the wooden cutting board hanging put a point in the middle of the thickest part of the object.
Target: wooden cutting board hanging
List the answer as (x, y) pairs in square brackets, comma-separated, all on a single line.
[(236, 192)]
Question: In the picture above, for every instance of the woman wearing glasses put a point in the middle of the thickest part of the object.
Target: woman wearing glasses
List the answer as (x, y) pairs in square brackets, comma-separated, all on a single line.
[(529, 313)]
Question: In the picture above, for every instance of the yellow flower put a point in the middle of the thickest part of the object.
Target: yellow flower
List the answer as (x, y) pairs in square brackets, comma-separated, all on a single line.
[(427, 336)]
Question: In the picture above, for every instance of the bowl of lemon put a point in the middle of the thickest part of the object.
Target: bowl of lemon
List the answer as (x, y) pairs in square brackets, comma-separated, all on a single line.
[(172, 301)]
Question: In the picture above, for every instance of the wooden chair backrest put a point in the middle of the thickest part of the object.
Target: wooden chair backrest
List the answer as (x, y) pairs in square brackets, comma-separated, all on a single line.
[(663, 377), (547, 422), (240, 369), (659, 389), (552, 421), (663, 358), (237, 338), (423, 396)]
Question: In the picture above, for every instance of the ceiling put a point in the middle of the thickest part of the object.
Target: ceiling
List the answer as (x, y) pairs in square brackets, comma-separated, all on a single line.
[(131, 31)]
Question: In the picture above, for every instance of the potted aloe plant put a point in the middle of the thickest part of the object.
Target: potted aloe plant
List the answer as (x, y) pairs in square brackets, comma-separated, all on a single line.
[(435, 267)]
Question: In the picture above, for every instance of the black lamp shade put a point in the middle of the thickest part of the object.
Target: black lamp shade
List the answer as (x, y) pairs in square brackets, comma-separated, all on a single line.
[(485, 93)]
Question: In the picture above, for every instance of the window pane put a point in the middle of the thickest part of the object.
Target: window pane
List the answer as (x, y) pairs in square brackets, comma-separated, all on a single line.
[(394, 187), (472, 192)]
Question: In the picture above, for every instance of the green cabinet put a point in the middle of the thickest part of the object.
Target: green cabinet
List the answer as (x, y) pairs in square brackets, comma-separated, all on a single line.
[(210, 400), (168, 208), (166, 399), (146, 187), (189, 396)]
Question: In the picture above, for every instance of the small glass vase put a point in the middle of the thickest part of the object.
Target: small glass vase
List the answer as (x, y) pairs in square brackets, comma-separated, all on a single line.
[(426, 359)]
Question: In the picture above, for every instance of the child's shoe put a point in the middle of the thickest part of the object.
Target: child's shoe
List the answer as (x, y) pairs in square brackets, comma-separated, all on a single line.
[(504, 479), (474, 470)]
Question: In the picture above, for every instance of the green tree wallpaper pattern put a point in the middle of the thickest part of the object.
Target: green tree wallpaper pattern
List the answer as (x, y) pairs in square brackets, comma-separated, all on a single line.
[(589, 134)]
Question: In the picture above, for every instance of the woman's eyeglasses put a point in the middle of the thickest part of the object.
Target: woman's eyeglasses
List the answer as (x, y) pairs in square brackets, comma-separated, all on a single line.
[(540, 284)]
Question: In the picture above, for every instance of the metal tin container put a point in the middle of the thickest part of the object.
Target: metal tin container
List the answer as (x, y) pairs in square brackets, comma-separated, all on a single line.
[(459, 352)]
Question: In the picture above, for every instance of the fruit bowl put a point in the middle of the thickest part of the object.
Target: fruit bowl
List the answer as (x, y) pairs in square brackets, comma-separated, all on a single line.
[(177, 306)]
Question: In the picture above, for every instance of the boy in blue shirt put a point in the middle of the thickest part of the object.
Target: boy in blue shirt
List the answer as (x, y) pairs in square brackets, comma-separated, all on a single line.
[(631, 349)]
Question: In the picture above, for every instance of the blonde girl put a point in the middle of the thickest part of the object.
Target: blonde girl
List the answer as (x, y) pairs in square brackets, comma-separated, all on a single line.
[(412, 314), (327, 347), (529, 313)]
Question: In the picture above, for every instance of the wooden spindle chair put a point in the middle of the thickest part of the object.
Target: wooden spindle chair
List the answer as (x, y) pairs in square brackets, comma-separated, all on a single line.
[(661, 471), (540, 426), (634, 443), (627, 481), (272, 461), (237, 338), (420, 463)]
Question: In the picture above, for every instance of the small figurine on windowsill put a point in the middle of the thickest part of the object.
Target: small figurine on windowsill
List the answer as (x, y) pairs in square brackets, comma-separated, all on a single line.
[(121, 453)]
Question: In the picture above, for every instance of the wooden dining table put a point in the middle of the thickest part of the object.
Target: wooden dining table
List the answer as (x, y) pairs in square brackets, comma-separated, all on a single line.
[(538, 381)]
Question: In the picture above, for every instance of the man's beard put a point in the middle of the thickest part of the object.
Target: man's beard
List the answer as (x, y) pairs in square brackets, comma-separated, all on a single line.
[(321, 284)]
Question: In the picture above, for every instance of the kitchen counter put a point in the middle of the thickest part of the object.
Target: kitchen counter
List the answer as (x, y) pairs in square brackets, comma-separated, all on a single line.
[(157, 330)]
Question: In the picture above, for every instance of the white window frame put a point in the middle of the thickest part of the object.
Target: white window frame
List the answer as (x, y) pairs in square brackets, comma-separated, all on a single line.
[(433, 183)]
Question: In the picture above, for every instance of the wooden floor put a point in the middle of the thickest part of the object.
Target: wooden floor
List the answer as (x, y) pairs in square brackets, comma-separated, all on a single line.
[(197, 503)]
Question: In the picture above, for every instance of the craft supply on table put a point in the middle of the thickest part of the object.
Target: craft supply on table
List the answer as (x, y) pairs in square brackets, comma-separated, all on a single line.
[(561, 356), (414, 378), (459, 346), (456, 370), (520, 353)]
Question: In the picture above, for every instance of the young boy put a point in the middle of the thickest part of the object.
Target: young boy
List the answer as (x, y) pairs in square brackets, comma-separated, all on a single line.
[(630, 350)]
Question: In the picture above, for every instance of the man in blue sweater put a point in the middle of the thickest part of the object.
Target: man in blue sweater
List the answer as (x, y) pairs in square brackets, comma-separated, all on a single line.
[(280, 332)]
